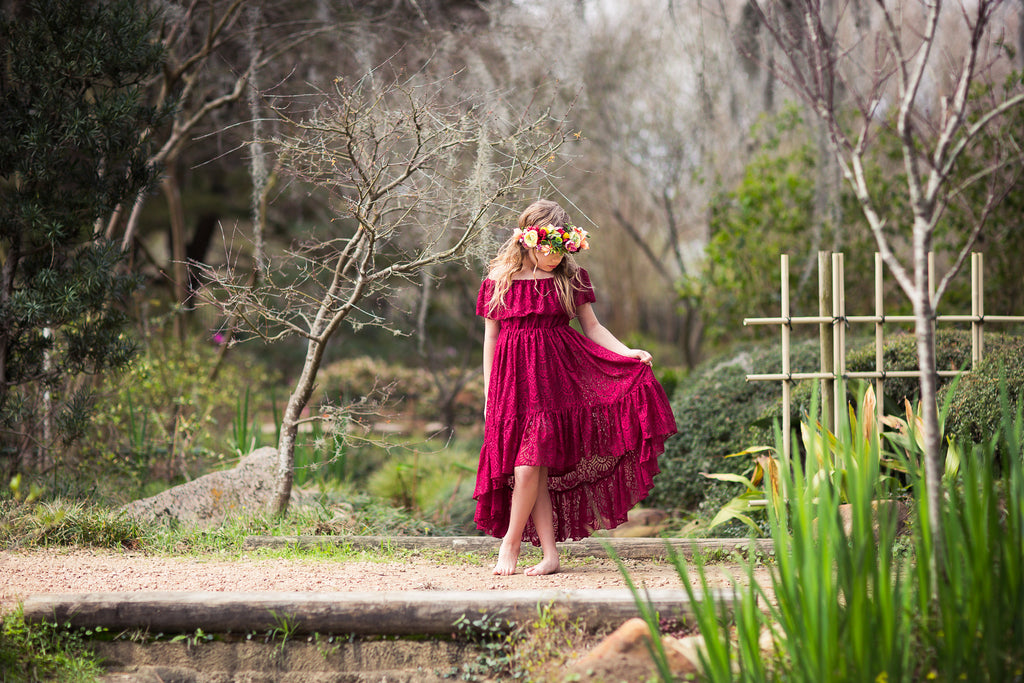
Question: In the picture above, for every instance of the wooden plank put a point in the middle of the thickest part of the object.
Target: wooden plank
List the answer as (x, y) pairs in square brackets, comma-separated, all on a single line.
[(633, 548), (364, 613)]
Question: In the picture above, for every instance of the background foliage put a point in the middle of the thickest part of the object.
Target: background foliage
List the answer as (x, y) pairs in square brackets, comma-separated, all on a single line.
[(690, 164), (73, 146)]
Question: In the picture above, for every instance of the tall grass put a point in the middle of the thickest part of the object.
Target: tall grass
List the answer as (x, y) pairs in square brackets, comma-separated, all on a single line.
[(972, 625), (848, 603)]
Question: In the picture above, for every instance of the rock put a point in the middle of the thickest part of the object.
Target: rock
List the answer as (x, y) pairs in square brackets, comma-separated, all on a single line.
[(209, 500), (646, 516), (624, 656), (642, 522)]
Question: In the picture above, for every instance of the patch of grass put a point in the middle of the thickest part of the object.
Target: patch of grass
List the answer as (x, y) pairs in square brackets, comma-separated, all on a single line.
[(60, 522), (45, 652), (546, 644), (65, 523)]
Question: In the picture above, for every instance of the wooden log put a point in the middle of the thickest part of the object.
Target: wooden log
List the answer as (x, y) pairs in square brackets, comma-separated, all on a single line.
[(633, 548), (365, 613)]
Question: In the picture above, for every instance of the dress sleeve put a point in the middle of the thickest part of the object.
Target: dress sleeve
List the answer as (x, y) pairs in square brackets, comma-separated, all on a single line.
[(584, 293), (484, 297)]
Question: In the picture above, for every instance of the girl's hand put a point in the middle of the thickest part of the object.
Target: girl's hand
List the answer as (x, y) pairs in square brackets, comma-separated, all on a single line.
[(642, 356)]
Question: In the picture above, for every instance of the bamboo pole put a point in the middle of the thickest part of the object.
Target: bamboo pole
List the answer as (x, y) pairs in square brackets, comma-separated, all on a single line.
[(974, 311), (870, 374), (879, 340), (787, 382), (810, 320), (825, 293), (778, 376), (932, 302), (981, 308), (819, 319), (838, 337)]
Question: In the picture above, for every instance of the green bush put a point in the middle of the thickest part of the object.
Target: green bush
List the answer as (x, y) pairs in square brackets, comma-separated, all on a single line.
[(430, 479), (670, 378), (974, 410), (75, 136), (714, 410), (952, 352), (974, 407), (156, 419)]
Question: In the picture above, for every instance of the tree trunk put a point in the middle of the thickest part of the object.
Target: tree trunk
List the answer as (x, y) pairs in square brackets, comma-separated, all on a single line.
[(290, 425), (924, 329), (176, 211), (7, 274)]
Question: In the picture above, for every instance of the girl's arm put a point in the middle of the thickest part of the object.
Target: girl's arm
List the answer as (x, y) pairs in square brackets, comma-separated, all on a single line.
[(600, 335), (491, 328)]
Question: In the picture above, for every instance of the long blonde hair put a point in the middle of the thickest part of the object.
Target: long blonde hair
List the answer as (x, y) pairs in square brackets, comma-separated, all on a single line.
[(512, 254)]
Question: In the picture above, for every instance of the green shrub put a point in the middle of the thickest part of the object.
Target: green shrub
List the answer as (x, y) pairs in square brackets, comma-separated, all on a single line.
[(974, 410), (159, 417), (671, 378), (977, 396), (952, 352), (430, 480), (714, 409)]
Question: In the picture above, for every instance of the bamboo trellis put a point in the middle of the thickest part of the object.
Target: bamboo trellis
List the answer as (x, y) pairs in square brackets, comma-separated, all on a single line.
[(832, 321)]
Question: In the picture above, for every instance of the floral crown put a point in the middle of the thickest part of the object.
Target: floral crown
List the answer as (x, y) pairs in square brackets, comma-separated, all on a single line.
[(553, 239)]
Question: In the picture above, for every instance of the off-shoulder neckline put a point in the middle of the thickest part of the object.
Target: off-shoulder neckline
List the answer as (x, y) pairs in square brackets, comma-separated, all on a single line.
[(526, 279)]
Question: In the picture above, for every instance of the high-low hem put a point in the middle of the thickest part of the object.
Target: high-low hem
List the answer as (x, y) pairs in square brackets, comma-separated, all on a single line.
[(597, 420)]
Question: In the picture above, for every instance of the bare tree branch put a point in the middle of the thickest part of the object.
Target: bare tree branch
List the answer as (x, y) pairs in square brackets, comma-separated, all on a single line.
[(930, 153), (415, 171)]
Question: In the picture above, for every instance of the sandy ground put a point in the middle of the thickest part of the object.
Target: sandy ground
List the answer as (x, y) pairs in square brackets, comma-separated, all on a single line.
[(25, 573)]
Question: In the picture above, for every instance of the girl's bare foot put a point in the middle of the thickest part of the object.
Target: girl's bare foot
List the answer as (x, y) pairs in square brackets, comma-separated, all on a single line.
[(545, 566), (508, 558)]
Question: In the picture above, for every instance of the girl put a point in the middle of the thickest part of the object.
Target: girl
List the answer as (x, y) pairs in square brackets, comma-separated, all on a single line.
[(573, 424)]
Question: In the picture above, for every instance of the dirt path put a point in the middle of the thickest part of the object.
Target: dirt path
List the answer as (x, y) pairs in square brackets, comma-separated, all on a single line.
[(85, 571)]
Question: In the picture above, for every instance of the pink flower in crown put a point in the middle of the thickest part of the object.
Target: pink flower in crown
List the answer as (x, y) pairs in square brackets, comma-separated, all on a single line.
[(530, 238), (544, 248)]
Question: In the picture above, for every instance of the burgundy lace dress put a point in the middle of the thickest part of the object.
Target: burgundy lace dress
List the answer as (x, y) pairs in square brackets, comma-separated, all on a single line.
[(596, 419)]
